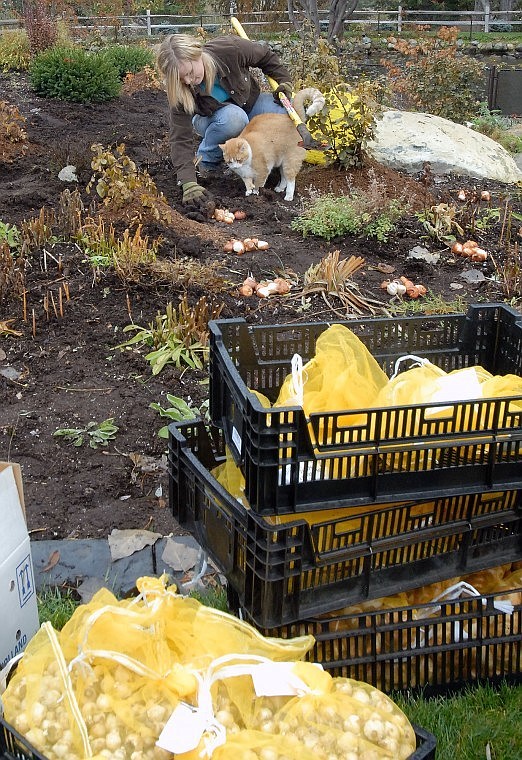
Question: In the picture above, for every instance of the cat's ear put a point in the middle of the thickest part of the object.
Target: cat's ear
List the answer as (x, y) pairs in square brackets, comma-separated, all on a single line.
[(222, 146)]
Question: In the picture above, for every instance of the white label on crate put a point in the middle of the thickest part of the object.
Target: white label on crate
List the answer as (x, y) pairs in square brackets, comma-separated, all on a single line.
[(277, 679), (183, 730), (236, 439)]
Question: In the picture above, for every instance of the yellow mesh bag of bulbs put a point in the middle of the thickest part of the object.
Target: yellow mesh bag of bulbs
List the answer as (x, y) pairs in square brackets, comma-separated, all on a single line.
[(107, 683), (327, 718), (343, 375)]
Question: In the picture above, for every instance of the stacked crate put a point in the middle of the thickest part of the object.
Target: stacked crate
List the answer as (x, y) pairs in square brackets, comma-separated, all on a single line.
[(343, 513)]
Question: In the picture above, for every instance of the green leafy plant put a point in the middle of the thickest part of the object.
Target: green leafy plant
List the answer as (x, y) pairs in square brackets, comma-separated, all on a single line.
[(10, 234), (14, 50), (179, 337), (96, 433), (128, 59), (70, 73), (434, 76), (177, 411), (330, 216)]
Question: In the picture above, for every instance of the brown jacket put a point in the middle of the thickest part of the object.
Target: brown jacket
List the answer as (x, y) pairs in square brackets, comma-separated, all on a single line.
[(234, 57)]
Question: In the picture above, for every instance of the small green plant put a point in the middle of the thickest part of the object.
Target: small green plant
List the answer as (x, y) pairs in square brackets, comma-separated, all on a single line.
[(495, 125), (431, 303), (72, 74), (128, 59), (440, 222), (215, 597), (178, 337), (56, 605), (330, 216), (14, 50), (179, 410), (10, 234), (96, 433)]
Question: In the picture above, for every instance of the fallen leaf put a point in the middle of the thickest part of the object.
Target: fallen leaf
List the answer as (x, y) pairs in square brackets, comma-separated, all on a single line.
[(53, 560), (123, 543), (179, 556), (384, 268)]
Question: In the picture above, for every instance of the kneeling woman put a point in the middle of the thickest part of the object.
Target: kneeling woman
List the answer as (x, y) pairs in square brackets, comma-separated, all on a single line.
[(211, 88)]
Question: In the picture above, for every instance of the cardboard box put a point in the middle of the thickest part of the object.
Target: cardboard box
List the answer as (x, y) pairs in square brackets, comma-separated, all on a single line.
[(17, 586)]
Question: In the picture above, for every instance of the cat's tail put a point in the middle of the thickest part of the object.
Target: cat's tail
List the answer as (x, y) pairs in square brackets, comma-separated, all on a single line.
[(308, 102)]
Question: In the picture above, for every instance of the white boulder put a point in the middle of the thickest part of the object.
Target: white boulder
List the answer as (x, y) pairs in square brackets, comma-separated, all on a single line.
[(406, 140)]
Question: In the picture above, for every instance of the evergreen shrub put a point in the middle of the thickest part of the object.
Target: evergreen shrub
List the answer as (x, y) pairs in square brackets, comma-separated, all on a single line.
[(70, 73)]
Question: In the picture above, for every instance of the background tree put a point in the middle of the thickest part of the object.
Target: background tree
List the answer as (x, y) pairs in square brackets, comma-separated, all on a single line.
[(307, 11)]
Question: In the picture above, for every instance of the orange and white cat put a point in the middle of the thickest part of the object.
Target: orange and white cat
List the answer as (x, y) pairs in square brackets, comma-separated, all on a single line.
[(271, 141)]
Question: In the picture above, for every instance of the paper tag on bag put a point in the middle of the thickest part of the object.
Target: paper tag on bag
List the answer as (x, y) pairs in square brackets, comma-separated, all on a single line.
[(277, 679), (183, 730)]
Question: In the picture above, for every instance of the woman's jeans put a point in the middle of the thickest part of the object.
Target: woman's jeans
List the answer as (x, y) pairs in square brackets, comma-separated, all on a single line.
[(228, 122)]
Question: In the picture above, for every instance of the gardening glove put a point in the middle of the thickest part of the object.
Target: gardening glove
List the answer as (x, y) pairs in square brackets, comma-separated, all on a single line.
[(192, 192), (200, 199), (286, 89)]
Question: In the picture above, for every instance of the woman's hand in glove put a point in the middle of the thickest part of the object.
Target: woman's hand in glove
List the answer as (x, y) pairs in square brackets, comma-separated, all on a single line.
[(286, 89), (196, 196), (192, 192)]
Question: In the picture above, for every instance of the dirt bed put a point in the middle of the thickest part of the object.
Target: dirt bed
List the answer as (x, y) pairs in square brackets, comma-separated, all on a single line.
[(60, 368)]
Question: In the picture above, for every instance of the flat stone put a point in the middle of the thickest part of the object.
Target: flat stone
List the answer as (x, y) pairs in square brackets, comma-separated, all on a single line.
[(422, 254), (86, 564), (473, 276)]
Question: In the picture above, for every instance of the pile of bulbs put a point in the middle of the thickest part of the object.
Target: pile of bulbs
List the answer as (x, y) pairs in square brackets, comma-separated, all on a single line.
[(402, 286), (229, 217), (248, 244), (266, 288), (470, 249)]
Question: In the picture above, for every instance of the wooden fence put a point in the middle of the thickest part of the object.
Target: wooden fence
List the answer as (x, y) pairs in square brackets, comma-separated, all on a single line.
[(399, 20)]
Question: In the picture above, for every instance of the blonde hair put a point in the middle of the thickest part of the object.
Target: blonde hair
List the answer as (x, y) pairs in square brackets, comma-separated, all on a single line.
[(175, 50)]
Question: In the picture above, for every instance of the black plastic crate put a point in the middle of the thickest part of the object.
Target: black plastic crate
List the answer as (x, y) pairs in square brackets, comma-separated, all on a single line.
[(287, 572), (287, 469), (438, 648), (14, 747)]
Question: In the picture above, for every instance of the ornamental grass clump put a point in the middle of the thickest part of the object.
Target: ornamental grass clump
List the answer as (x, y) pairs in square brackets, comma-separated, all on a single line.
[(70, 73)]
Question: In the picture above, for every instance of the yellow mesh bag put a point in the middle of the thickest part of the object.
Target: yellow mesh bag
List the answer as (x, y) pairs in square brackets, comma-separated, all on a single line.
[(342, 375), (40, 701), (110, 680), (329, 718), (337, 718)]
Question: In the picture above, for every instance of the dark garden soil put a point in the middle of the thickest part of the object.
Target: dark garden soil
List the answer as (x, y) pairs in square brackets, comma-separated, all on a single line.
[(61, 369)]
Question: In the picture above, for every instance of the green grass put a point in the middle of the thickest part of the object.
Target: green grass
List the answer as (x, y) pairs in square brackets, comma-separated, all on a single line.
[(56, 605), (466, 724)]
